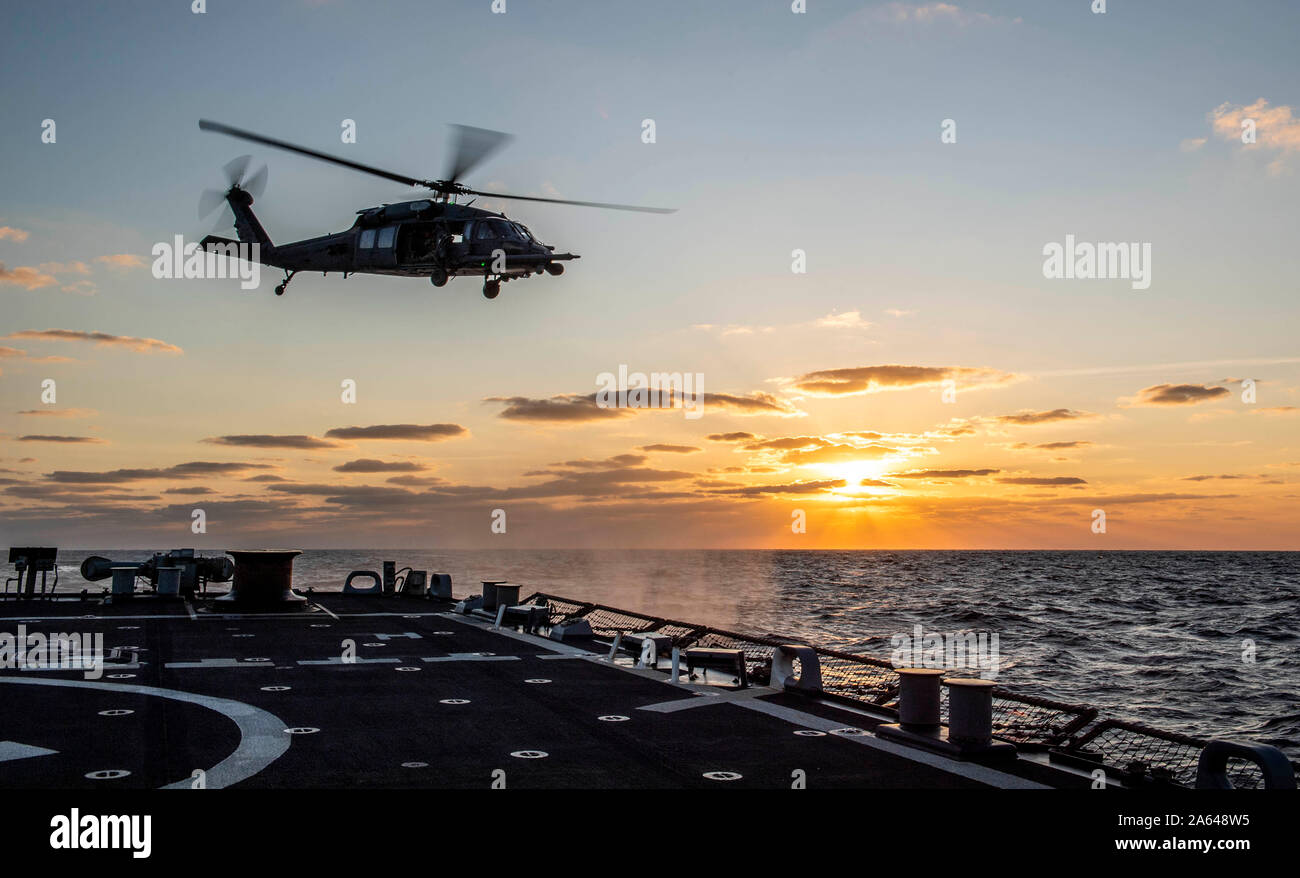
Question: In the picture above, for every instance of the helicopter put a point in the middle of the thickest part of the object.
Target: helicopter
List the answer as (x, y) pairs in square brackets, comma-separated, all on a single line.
[(431, 237)]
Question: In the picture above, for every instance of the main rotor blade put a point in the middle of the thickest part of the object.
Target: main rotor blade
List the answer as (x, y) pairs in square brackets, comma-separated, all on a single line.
[(470, 146), (600, 204), (208, 125)]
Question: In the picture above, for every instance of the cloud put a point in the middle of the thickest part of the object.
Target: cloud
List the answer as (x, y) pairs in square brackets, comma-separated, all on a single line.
[(1276, 128), (9, 233), (26, 277), (874, 379), (139, 345), (813, 487), (1178, 394), (671, 449), (737, 436), (1277, 410), (944, 474), (757, 403), (576, 408), (1028, 417), (1050, 446), (846, 320), (615, 462), (400, 432), (65, 267), (66, 439), (121, 260), (59, 413), (567, 408), (195, 490), (805, 450), (270, 441), (1191, 144), (416, 480), (370, 465), (1041, 480), (734, 329), (931, 13), (898, 312), (191, 470)]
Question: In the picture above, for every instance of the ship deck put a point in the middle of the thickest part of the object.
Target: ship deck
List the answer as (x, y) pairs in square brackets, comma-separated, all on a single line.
[(433, 699)]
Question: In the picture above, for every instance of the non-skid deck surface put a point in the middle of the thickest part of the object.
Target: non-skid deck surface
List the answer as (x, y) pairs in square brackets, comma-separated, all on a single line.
[(431, 700)]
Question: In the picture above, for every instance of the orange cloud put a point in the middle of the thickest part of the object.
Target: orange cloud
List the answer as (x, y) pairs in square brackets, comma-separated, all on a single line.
[(121, 260), (1276, 128), (139, 345), (26, 277), (874, 379), (1178, 394)]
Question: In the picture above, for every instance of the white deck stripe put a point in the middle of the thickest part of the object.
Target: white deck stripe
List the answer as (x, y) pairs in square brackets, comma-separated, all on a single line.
[(261, 734)]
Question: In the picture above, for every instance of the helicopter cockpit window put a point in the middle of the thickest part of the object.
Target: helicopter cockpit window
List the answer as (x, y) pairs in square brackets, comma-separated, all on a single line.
[(483, 231), (523, 233), (386, 237), (507, 230), (367, 239)]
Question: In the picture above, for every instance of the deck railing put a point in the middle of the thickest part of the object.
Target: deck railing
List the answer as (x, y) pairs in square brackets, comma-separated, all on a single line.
[(1128, 750)]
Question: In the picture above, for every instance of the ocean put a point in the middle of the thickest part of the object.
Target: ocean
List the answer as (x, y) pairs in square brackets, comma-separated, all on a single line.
[(1204, 643)]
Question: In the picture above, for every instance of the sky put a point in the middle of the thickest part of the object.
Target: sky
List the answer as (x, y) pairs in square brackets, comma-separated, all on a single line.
[(866, 194)]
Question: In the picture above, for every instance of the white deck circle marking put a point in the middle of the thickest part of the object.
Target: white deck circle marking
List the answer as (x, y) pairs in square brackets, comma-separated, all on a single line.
[(120, 676), (415, 765), (406, 669), (454, 701), (810, 733), (128, 627), (275, 688), (108, 774), (530, 754), (722, 775), (243, 635), (537, 680), (260, 742), (301, 730), (848, 732), (613, 718), (374, 644), (120, 711), (320, 625), (257, 659)]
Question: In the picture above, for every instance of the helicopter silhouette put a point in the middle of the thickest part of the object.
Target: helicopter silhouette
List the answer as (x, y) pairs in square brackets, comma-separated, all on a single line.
[(431, 237)]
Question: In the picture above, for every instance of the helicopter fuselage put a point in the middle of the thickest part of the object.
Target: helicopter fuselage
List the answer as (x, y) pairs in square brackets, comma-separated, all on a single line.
[(424, 238)]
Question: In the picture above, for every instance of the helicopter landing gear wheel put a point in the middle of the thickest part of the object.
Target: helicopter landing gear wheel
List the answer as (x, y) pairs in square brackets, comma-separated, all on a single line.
[(284, 285), (491, 288), (438, 278)]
